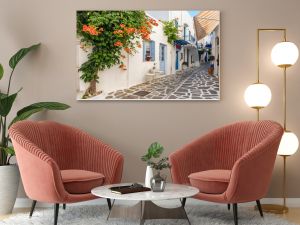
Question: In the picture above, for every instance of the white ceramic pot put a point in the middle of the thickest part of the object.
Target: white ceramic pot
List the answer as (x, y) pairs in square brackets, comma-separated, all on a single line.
[(148, 176), (9, 183)]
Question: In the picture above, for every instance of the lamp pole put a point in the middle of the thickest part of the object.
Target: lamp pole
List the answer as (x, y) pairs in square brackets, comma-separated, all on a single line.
[(258, 58), (270, 207)]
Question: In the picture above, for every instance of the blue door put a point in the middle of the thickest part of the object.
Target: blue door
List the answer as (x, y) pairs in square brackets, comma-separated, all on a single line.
[(177, 60), (162, 57)]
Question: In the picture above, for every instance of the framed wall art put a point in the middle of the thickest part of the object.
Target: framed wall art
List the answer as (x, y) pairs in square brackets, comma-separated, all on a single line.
[(148, 55)]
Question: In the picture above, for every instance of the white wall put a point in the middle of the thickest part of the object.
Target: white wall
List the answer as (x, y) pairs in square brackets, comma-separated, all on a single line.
[(139, 68), (183, 18), (109, 79)]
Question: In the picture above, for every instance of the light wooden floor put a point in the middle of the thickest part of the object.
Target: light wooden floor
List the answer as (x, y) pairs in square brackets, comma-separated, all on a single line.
[(293, 215)]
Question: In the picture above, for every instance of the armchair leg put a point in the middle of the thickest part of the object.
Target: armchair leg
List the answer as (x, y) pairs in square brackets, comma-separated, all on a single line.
[(235, 213), (64, 206), (259, 208), (108, 203), (228, 206), (56, 209), (32, 208), (183, 202)]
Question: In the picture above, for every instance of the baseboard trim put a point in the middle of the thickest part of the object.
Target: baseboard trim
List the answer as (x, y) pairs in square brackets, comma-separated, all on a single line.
[(291, 202)]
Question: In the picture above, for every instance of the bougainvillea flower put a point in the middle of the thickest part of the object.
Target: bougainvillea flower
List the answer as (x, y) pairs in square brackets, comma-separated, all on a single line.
[(90, 29), (130, 30), (118, 32), (118, 43), (128, 50), (122, 25)]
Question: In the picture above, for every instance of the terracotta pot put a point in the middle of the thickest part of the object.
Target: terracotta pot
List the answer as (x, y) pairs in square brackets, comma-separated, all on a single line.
[(9, 183), (210, 70)]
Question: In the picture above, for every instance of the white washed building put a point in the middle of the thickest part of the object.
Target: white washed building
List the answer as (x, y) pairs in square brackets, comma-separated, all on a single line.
[(185, 48), (167, 58)]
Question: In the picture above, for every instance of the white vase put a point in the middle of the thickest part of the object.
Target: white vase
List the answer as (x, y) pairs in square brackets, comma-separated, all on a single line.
[(148, 176), (9, 183)]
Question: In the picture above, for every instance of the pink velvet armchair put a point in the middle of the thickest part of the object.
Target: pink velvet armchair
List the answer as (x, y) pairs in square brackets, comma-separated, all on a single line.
[(60, 164), (230, 165)]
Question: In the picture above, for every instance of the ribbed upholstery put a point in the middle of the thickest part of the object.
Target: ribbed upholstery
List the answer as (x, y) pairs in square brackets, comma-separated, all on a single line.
[(247, 148), (44, 148)]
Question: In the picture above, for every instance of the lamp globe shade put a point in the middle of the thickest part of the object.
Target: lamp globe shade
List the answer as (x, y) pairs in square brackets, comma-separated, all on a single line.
[(284, 54), (258, 95), (289, 144)]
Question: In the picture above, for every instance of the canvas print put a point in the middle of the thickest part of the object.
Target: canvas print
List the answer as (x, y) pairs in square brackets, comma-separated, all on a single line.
[(148, 55)]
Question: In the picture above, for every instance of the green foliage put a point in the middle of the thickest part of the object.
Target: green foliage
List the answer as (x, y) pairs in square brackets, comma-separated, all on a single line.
[(27, 111), (107, 34), (9, 150), (16, 58), (171, 31), (1, 71), (6, 104), (163, 163), (154, 151)]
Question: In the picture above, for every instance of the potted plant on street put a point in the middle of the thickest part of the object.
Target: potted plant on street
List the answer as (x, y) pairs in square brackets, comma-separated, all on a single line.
[(211, 65), (157, 182), (9, 173)]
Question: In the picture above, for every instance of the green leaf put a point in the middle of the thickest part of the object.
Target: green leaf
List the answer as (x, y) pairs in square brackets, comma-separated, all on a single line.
[(6, 103), (1, 71), (16, 58), (155, 150), (2, 95), (44, 105), (9, 150), (27, 111)]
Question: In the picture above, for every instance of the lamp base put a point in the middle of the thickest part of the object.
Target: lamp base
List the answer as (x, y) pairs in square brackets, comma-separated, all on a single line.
[(276, 209)]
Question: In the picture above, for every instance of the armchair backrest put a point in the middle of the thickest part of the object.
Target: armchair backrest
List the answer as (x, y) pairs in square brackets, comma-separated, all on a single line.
[(235, 140), (223, 147), (56, 140)]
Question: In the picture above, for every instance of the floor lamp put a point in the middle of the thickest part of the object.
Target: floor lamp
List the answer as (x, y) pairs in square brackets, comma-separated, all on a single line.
[(284, 54)]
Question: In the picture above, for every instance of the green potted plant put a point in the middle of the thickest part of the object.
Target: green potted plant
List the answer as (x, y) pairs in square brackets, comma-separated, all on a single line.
[(9, 173), (157, 182)]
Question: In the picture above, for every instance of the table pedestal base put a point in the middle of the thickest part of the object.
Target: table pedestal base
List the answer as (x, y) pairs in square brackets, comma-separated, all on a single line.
[(147, 210)]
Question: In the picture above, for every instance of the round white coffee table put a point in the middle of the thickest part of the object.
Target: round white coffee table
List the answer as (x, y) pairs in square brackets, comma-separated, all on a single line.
[(145, 209)]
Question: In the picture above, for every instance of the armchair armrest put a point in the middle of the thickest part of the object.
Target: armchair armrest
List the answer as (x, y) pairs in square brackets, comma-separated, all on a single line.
[(251, 174), (40, 174), (193, 157), (99, 157)]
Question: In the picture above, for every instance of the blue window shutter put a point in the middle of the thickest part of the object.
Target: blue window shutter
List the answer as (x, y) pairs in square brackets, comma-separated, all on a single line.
[(152, 50), (144, 51), (176, 23)]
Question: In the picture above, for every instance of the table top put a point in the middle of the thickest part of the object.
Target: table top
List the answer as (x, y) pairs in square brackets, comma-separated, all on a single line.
[(172, 191)]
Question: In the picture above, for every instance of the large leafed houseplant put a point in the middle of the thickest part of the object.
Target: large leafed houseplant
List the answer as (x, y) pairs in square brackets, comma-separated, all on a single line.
[(9, 174)]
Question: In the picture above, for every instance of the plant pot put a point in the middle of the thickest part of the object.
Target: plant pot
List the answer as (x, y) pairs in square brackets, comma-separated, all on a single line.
[(210, 71), (9, 183), (148, 176)]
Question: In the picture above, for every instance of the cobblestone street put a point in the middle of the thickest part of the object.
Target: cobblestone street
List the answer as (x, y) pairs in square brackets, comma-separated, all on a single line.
[(193, 83)]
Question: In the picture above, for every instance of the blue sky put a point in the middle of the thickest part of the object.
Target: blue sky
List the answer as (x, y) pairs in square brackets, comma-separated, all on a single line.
[(194, 12)]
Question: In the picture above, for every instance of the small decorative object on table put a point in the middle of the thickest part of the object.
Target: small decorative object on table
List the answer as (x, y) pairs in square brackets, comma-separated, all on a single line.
[(127, 189), (157, 182)]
